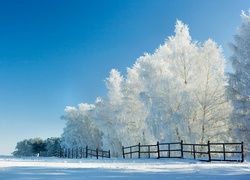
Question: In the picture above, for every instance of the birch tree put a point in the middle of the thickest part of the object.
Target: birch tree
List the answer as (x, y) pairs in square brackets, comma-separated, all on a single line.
[(185, 88)]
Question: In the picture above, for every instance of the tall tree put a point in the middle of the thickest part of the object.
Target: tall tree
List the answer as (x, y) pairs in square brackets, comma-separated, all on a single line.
[(185, 89), (209, 88), (239, 80)]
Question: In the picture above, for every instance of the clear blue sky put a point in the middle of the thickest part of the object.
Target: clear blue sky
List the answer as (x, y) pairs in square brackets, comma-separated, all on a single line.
[(56, 53)]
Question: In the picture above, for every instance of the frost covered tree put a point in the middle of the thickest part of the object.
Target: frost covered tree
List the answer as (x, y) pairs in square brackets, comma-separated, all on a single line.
[(24, 148), (239, 80), (121, 116), (38, 146), (165, 73), (185, 89), (80, 130), (106, 113), (213, 110), (53, 147), (134, 111), (31, 147)]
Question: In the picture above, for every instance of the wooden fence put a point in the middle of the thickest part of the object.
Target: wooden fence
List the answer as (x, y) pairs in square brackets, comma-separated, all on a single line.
[(84, 153), (207, 152)]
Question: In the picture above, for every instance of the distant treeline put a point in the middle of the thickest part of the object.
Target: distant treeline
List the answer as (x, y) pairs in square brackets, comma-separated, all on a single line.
[(38, 147)]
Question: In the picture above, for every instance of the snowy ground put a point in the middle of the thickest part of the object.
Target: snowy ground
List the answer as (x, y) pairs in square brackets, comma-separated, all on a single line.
[(54, 168)]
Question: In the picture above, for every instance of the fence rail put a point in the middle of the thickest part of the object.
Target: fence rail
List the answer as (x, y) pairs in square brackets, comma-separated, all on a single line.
[(84, 153), (207, 152)]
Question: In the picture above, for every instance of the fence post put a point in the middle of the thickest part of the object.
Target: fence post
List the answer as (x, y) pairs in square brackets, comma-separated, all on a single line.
[(194, 151), (96, 153), (169, 150), (209, 154), (224, 153), (181, 148), (123, 155), (86, 151), (149, 151), (109, 154), (242, 152), (158, 149), (139, 152)]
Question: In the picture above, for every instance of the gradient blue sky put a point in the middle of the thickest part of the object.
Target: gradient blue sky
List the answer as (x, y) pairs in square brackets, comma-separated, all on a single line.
[(56, 53)]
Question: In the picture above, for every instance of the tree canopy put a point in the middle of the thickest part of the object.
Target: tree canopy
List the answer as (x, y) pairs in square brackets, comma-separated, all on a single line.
[(38, 147)]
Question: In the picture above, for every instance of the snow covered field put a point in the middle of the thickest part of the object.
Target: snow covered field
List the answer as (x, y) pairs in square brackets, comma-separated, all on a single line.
[(55, 168)]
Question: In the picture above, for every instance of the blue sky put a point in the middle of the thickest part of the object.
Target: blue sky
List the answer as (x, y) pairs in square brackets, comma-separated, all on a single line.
[(56, 53)]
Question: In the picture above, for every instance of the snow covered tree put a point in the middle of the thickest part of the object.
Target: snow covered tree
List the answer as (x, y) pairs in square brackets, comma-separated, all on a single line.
[(213, 110), (53, 147), (31, 147), (134, 111), (80, 130), (106, 112), (104, 116), (38, 146), (239, 81), (113, 84), (165, 74), (24, 148), (185, 89), (121, 117)]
